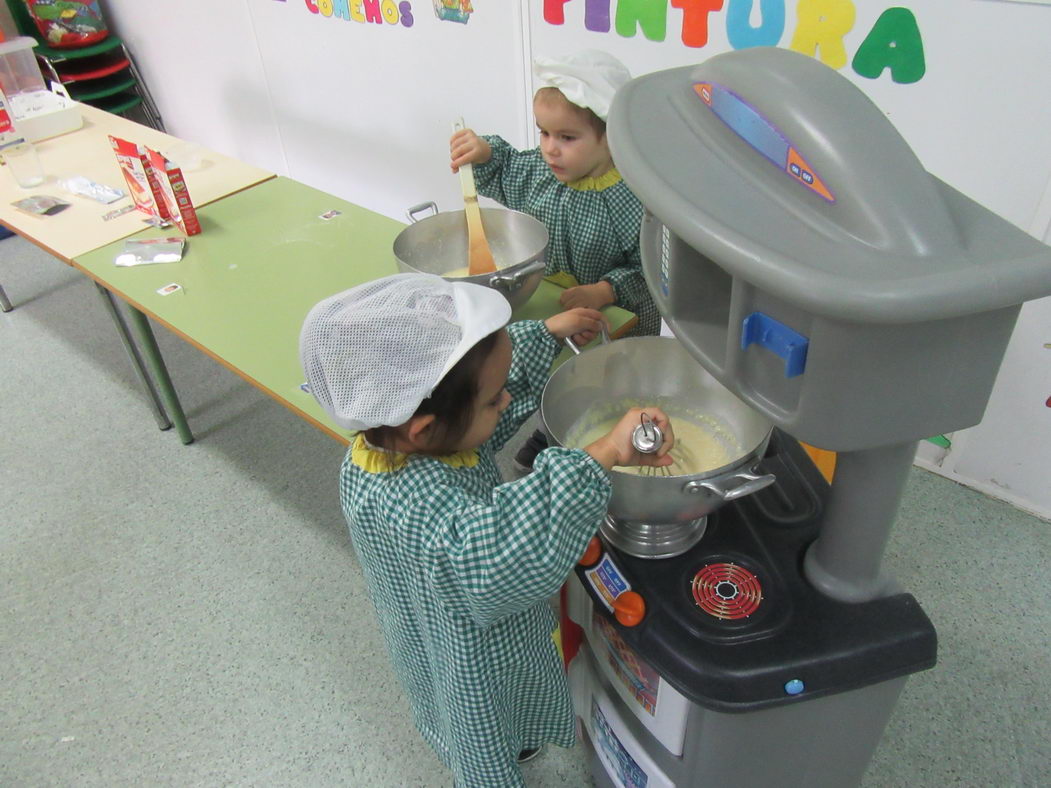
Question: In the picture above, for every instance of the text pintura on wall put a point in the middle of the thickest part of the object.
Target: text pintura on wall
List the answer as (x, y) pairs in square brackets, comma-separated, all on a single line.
[(893, 43), (392, 12)]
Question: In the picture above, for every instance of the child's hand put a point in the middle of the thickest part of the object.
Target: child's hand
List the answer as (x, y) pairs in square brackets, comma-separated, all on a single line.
[(466, 147), (615, 448), (593, 296), (582, 325)]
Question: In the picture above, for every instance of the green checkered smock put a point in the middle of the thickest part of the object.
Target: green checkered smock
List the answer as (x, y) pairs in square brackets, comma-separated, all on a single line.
[(460, 567), (593, 223)]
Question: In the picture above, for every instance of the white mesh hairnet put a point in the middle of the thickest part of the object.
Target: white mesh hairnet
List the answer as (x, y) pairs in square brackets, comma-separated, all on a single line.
[(373, 353), (588, 79)]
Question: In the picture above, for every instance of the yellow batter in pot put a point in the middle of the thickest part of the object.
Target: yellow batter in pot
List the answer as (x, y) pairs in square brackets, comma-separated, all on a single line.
[(702, 442)]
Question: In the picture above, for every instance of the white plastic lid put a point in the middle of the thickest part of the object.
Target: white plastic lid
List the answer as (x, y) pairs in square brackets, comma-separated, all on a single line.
[(17, 45)]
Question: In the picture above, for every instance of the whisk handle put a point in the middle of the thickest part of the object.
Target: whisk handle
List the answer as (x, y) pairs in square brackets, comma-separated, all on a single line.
[(577, 350)]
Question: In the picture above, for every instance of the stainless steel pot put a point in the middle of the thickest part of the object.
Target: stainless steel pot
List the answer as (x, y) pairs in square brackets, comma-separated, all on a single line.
[(437, 244), (658, 516)]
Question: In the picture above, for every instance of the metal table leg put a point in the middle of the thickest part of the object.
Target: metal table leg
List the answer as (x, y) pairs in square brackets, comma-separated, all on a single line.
[(5, 302), (152, 398), (141, 324)]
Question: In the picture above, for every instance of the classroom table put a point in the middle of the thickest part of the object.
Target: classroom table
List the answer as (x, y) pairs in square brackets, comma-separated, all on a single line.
[(264, 258), (83, 226), (86, 151)]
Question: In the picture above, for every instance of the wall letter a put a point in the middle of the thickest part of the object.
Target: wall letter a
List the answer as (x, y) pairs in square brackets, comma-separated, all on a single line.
[(894, 42)]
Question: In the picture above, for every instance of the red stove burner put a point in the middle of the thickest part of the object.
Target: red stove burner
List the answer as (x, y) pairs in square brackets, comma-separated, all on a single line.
[(726, 591)]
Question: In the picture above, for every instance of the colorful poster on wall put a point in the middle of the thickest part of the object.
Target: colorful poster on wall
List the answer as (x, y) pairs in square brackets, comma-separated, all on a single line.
[(453, 10), (817, 28), (379, 12)]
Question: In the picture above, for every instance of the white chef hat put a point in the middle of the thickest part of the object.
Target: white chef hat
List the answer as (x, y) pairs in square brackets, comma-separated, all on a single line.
[(373, 353), (588, 79)]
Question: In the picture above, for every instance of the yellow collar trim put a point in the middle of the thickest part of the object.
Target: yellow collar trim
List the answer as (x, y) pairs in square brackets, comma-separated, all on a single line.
[(467, 458), (604, 181), (373, 460)]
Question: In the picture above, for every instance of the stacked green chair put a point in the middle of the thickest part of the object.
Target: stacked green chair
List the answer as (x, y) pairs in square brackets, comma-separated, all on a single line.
[(102, 74)]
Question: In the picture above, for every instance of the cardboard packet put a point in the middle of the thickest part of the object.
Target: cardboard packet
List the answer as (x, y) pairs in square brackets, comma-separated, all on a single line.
[(143, 185), (7, 123), (174, 193)]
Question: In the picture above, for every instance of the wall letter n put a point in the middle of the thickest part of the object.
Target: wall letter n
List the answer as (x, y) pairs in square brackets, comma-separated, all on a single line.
[(650, 15)]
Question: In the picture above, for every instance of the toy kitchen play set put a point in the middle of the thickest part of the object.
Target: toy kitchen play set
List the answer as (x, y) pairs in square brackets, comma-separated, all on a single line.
[(735, 626)]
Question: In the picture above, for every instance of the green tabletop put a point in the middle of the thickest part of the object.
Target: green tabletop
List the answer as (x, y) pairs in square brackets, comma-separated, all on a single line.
[(263, 259), (544, 303)]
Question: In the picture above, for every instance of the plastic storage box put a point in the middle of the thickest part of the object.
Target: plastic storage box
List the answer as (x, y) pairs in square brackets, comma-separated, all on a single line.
[(38, 113)]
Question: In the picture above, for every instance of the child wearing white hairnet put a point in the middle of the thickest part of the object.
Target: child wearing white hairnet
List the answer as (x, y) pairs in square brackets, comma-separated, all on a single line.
[(571, 184), (458, 564)]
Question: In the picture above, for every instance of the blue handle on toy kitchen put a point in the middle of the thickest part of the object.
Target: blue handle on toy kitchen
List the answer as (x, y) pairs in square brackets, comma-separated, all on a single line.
[(776, 336)]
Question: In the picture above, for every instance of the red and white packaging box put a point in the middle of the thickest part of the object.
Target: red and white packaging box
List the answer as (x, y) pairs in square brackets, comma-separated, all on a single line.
[(174, 193), (143, 185)]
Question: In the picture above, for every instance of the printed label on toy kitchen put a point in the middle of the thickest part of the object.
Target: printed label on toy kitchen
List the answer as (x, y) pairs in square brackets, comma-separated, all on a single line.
[(607, 581)]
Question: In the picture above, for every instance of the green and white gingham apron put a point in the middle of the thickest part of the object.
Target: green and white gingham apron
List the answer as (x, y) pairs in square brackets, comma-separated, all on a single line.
[(593, 223), (460, 567)]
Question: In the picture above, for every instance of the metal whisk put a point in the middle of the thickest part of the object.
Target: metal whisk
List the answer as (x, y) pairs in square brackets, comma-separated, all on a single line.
[(680, 457), (648, 438)]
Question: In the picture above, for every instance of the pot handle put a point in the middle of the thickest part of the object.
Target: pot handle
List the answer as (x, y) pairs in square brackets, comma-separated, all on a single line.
[(411, 213), (577, 350), (724, 489), (511, 282)]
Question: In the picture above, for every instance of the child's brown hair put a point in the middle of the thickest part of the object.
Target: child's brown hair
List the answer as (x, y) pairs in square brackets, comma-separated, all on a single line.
[(451, 403), (552, 94)]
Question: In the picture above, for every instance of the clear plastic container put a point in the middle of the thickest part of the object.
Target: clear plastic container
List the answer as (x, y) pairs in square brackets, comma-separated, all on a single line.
[(19, 70), (40, 113), (23, 163)]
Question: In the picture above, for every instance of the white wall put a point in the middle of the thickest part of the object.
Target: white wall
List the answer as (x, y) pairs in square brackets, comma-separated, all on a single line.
[(361, 110), (203, 67), (364, 110)]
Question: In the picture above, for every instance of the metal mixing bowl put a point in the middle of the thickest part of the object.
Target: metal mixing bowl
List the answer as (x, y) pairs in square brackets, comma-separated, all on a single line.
[(437, 244), (658, 516)]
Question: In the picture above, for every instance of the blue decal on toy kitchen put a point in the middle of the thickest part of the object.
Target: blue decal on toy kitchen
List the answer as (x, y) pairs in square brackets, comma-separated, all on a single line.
[(607, 581)]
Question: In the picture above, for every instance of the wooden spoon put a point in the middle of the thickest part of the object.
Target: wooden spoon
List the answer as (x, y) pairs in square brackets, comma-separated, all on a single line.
[(479, 255)]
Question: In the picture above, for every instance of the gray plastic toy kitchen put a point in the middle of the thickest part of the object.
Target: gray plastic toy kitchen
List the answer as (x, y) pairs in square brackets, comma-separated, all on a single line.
[(735, 624)]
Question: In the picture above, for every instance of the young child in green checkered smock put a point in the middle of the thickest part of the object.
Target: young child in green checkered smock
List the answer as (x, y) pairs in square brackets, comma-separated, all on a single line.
[(460, 565), (571, 185)]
